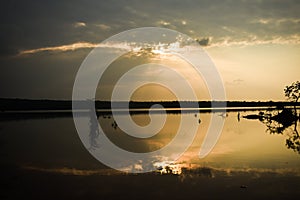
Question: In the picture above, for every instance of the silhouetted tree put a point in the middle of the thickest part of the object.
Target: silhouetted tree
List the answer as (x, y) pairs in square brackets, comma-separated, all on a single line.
[(284, 119), (284, 122), (293, 142), (292, 92)]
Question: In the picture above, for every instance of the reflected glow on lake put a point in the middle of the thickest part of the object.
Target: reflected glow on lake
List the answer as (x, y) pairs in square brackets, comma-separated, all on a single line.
[(245, 146)]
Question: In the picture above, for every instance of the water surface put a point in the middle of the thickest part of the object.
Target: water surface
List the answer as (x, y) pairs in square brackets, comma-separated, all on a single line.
[(247, 153)]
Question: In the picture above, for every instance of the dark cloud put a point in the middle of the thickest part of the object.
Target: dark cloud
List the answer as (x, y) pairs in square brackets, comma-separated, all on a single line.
[(203, 41), (34, 24)]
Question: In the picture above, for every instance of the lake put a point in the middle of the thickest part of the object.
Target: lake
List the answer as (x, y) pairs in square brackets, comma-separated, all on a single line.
[(45, 158)]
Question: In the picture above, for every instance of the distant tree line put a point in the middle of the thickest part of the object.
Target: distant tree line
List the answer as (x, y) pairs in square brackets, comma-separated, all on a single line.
[(29, 104)]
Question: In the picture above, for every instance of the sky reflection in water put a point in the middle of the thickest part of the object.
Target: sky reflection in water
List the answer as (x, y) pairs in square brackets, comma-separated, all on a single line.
[(245, 146)]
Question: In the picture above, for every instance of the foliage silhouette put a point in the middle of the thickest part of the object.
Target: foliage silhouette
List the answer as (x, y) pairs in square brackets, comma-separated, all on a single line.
[(284, 120), (292, 92)]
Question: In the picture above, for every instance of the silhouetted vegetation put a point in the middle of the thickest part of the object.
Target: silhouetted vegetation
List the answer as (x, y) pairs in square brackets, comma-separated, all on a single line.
[(284, 119), (28, 104), (284, 122), (37, 109), (292, 92)]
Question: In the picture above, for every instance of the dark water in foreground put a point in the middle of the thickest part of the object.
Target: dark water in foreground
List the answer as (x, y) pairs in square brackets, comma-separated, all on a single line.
[(45, 159)]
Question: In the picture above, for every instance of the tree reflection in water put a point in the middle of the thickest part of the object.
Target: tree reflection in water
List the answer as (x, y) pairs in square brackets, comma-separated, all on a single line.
[(283, 121), (93, 121)]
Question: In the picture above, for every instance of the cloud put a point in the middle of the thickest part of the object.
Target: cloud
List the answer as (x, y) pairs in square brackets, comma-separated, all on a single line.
[(80, 45), (261, 21), (276, 21), (79, 24), (228, 29), (205, 19), (164, 23), (103, 27), (195, 171), (141, 48), (203, 41), (73, 171), (27, 28), (69, 47), (252, 40)]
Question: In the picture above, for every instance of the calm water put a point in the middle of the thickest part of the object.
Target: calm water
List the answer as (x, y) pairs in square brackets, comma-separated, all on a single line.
[(245, 147)]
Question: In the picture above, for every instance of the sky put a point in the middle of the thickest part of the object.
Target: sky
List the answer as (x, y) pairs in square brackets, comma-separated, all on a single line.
[(255, 45)]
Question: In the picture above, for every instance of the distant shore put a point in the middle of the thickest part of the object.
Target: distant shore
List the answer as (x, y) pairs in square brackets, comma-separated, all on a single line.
[(7, 104)]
